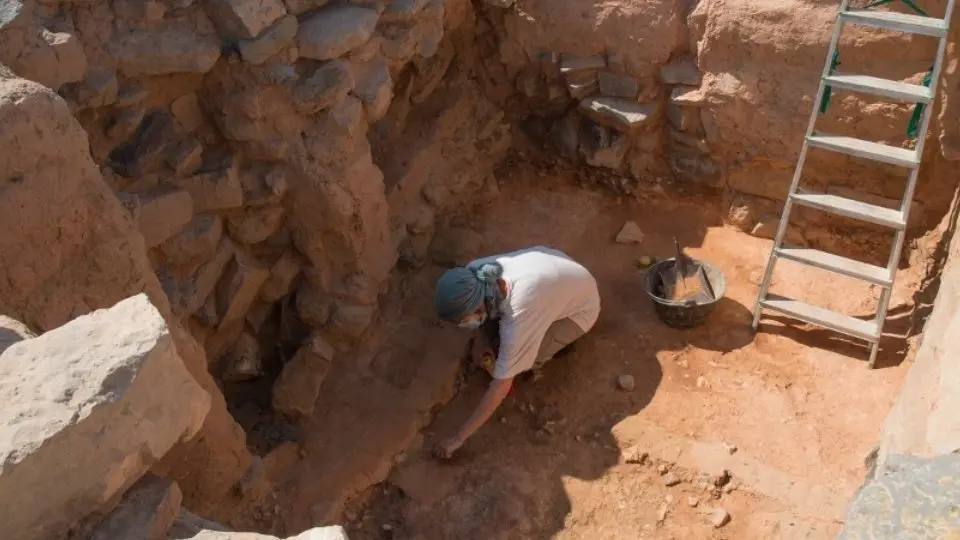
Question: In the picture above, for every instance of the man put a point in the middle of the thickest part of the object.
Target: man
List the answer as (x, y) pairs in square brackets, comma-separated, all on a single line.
[(535, 302)]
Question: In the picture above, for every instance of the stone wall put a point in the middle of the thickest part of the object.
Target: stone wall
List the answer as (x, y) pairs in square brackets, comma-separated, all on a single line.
[(911, 491), (71, 248), (717, 93), (923, 420), (246, 163), (258, 167), (89, 408)]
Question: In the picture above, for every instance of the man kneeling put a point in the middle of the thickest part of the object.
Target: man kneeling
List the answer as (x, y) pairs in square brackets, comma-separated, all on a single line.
[(534, 302)]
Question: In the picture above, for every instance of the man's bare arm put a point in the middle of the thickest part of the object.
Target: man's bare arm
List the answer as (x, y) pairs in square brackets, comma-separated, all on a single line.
[(492, 398)]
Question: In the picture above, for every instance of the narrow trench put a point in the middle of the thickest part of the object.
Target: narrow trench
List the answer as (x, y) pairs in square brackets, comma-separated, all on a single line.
[(249, 390)]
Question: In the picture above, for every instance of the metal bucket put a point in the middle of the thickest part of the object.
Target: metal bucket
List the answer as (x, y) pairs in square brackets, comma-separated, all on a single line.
[(683, 314)]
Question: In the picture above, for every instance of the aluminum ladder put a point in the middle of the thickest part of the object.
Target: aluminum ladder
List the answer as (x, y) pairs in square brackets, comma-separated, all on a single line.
[(869, 331)]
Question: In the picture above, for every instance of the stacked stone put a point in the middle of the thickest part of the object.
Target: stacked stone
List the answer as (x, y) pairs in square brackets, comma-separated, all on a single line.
[(235, 132), (618, 123), (617, 117), (690, 127)]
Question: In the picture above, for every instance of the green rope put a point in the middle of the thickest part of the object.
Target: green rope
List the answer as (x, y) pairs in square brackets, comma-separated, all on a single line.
[(918, 110), (825, 101), (909, 4)]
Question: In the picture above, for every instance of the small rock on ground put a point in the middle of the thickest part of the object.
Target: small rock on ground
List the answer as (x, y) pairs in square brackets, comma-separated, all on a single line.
[(719, 517), (635, 455), (670, 479), (693, 501), (630, 233), (626, 382)]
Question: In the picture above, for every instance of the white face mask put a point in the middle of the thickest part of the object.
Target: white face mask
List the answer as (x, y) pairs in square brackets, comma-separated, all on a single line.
[(474, 322)]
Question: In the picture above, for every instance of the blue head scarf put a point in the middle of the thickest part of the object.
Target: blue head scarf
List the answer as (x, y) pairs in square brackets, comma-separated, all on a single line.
[(461, 291)]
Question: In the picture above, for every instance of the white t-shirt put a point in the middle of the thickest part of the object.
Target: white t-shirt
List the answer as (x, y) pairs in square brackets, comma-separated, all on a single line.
[(544, 285)]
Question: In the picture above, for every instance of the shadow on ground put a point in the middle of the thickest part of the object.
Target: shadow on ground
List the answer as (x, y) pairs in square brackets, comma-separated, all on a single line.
[(892, 351), (513, 478)]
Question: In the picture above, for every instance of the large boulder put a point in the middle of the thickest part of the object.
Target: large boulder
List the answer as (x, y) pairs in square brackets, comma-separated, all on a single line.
[(69, 247), (923, 419), (110, 391), (909, 498), (12, 331)]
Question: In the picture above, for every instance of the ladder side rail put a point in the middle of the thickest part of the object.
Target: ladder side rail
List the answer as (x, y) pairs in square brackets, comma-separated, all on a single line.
[(798, 171), (926, 116), (905, 203)]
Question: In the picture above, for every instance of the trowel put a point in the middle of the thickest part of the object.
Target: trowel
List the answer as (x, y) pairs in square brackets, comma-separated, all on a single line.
[(685, 281)]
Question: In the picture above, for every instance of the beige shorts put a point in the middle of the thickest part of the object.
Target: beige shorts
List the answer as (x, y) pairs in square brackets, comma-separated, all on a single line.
[(559, 335)]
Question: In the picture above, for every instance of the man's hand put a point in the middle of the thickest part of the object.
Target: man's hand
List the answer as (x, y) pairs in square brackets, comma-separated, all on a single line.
[(445, 449), (499, 388)]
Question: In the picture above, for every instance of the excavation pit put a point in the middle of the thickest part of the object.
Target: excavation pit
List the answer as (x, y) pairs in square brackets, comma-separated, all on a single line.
[(288, 204)]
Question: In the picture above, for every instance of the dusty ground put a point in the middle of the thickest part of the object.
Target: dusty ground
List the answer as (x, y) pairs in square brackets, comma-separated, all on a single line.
[(798, 404)]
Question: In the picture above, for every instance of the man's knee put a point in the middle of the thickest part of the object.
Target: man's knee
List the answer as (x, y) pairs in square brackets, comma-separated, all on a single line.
[(559, 336)]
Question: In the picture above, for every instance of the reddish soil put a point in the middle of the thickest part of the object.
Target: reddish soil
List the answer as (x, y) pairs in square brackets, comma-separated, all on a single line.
[(797, 403)]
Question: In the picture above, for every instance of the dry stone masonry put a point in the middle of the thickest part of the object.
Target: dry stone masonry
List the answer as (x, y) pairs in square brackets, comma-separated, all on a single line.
[(196, 193), (213, 161), (660, 93)]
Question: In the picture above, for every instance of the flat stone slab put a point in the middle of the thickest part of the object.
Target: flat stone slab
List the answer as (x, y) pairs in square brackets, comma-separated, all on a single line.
[(146, 512), (618, 85), (195, 532), (571, 64), (618, 113), (909, 498), (334, 31), (173, 49), (683, 70), (582, 90), (88, 408), (687, 96)]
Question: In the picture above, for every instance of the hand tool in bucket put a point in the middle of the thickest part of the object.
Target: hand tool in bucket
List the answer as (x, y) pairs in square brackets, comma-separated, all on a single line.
[(685, 280)]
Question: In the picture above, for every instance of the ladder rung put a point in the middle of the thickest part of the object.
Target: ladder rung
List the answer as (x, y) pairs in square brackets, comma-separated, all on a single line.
[(851, 208), (835, 263), (865, 149), (845, 324), (914, 93), (914, 24)]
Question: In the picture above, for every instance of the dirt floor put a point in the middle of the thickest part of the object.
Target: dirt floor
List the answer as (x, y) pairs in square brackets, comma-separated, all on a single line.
[(772, 428)]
